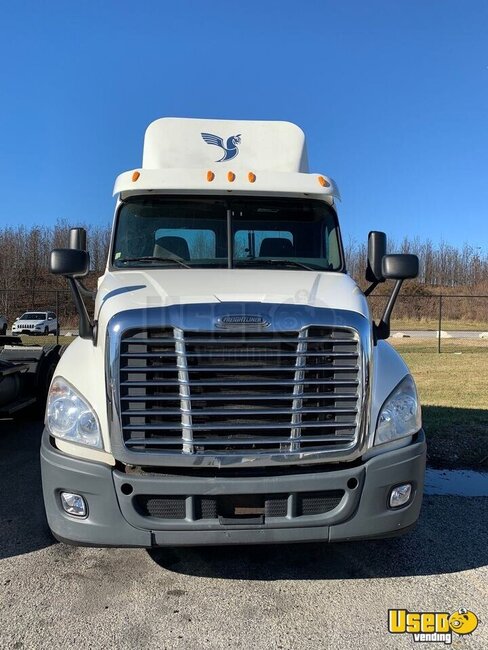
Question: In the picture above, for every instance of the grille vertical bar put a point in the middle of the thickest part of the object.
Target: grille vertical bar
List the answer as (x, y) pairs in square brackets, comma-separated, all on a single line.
[(301, 362), (184, 391)]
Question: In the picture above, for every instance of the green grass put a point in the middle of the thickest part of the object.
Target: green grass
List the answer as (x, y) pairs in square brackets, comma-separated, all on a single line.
[(448, 346), (453, 390), (433, 324), (46, 340)]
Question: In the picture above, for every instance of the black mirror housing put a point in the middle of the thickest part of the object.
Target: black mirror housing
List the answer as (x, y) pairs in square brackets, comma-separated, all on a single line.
[(400, 267), (376, 252), (69, 262), (77, 239)]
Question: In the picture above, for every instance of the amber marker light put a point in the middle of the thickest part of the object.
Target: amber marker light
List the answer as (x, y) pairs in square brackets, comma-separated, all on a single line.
[(323, 181), (231, 177), (135, 176), (210, 176), (251, 177)]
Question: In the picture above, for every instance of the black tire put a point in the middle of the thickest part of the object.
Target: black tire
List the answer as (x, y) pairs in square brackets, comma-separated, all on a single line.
[(46, 331), (4, 330), (45, 374)]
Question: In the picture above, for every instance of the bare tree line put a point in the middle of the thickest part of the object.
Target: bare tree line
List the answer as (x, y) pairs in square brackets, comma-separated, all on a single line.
[(25, 282), (441, 265), (444, 269), (24, 253)]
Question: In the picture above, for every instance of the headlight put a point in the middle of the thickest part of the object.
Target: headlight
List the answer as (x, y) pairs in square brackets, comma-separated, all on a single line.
[(400, 415), (70, 417)]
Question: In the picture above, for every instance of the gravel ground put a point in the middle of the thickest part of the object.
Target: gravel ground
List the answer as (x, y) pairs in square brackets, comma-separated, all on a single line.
[(302, 596), (432, 334)]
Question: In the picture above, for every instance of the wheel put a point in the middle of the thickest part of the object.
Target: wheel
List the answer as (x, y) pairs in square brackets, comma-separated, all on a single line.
[(45, 373), (46, 331), (4, 330)]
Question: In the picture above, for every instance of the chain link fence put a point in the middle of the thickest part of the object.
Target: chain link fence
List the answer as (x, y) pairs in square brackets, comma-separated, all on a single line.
[(444, 322)]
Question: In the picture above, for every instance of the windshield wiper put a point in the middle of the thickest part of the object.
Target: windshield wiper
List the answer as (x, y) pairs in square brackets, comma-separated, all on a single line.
[(274, 262), (152, 258)]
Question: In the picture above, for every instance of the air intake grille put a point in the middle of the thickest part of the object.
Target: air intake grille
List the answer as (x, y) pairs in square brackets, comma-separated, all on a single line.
[(211, 507), (230, 392)]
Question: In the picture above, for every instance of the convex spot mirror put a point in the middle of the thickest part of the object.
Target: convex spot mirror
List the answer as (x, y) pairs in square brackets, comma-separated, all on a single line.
[(69, 262), (400, 266)]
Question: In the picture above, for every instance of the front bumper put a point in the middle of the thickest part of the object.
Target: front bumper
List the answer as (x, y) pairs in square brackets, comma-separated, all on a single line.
[(114, 519)]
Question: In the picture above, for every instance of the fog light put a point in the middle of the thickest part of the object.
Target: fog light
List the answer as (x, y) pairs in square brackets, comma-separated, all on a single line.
[(73, 504), (400, 495)]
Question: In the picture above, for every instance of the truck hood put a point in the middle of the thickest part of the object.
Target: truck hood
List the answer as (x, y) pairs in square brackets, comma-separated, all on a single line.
[(135, 289)]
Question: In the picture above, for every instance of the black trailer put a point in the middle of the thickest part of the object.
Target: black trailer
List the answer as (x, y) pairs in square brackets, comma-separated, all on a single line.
[(25, 374)]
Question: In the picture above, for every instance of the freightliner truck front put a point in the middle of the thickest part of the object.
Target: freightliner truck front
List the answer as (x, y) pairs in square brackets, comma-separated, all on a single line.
[(231, 386)]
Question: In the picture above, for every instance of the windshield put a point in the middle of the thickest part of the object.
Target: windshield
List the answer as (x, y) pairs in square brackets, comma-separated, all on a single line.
[(257, 232), (33, 316)]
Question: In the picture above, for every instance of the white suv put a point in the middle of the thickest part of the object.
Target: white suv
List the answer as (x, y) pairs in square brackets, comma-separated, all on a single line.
[(3, 325), (36, 322)]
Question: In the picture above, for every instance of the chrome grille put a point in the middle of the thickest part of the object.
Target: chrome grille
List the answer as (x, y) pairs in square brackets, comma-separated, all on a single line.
[(227, 392)]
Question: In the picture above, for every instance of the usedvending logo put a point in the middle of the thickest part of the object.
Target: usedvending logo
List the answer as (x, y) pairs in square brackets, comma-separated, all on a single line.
[(432, 626)]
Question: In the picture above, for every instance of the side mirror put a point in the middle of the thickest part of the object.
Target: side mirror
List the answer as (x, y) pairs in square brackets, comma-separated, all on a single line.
[(69, 262), (73, 264), (400, 267), (376, 253)]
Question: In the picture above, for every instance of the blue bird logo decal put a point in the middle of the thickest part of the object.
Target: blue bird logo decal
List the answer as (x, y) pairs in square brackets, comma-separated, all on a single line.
[(230, 148)]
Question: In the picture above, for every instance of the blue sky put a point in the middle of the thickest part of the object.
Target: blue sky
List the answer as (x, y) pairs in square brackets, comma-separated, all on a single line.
[(392, 94)]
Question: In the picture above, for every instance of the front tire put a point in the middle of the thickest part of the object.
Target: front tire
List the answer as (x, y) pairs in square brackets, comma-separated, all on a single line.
[(52, 354)]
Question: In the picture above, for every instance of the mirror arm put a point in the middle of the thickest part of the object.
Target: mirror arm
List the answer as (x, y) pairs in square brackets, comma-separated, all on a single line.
[(382, 330), (88, 293), (86, 327), (371, 288)]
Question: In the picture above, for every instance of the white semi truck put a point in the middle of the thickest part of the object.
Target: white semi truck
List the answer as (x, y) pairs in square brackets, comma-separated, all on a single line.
[(231, 386)]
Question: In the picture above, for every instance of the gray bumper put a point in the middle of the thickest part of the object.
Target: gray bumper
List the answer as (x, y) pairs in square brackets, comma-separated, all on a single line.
[(115, 520)]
